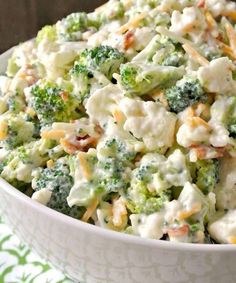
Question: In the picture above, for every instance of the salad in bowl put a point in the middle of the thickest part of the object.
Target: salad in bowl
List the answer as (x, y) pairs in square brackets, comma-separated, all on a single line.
[(125, 118)]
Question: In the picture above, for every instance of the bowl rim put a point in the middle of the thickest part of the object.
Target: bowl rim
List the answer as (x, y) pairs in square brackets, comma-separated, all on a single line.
[(109, 234)]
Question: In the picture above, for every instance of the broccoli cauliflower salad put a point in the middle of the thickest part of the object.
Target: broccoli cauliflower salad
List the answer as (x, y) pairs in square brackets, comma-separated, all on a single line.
[(125, 118)]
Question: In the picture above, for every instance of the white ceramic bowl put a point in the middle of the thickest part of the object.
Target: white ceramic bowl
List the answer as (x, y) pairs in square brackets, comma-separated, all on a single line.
[(94, 255)]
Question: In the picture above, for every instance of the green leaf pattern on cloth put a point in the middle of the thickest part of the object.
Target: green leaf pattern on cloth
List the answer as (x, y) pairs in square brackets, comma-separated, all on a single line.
[(18, 264)]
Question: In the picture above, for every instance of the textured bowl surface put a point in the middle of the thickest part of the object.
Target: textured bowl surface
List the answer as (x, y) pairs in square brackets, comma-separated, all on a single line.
[(94, 255)]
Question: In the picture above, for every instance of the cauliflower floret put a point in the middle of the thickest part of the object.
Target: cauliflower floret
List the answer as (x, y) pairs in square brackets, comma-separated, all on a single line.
[(176, 171), (188, 135), (222, 121), (226, 189), (149, 121), (150, 226), (189, 21), (163, 173), (102, 104), (223, 230), (172, 209), (23, 55), (106, 36), (113, 130), (194, 200), (215, 132), (55, 57), (5, 83), (168, 5), (142, 37), (219, 135), (23, 160), (43, 196), (217, 77), (219, 7)]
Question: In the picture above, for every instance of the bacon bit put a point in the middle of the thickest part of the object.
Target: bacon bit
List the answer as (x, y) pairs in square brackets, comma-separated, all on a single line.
[(50, 163), (84, 166), (85, 143), (82, 144), (68, 147), (138, 158), (231, 35), (178, 232), (132, 23), (119, 212), (232, 240), (186, 214), (119, 116), (27, 74), (202, 151), (129, 40), (99, 129), (90, 210), (155, 95), (195, 55), (64, 96), (196, 122), (3, 130), (29, 78), (201, 3), (53, 134)]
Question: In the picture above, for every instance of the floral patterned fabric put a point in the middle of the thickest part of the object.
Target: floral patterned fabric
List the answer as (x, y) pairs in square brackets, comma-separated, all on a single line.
[(18, 264)]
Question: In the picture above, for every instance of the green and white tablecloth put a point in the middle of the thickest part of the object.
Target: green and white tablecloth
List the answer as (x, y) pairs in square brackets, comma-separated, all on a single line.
[(18, 264)]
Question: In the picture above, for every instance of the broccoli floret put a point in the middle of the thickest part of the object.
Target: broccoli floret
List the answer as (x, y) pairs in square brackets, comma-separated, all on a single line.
[(185, 94), (18, 131), (111, 176), (232, 129), (175, 59), (47, 32), (53, 104), (229, 117), (20, 162), (84, 192), (117, 149), (59, 182), (16, 102), (161, 51), (12, 102), (141, 200), (114, 159), (211, 53), (139, 79), (207, 175), (104, 59), (82, 79), (72, 27)]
